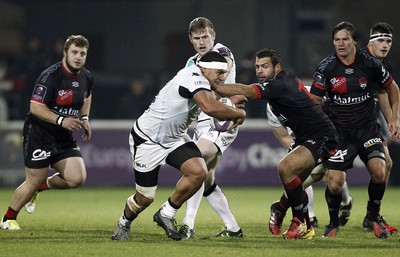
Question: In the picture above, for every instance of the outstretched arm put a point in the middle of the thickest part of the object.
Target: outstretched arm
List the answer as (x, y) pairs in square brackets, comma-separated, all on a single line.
[(235, 89)]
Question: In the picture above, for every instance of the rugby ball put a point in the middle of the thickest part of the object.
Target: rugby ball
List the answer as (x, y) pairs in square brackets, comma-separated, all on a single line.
[(223, 125)]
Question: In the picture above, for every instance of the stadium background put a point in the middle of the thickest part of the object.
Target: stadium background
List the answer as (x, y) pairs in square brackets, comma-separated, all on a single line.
[(149, 39)]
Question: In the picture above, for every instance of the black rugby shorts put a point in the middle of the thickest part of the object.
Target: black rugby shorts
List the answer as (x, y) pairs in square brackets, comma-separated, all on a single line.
[(42, 149)]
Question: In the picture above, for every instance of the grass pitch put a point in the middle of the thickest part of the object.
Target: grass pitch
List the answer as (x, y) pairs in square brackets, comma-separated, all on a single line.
[(79, 222)]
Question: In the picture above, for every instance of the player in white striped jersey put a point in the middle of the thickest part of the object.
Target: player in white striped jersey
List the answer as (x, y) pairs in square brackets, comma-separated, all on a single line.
[(159, 137), (211, 143)]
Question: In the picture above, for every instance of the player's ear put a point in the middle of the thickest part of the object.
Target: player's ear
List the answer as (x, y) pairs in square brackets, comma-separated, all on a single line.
[(202, 70), (278, 67), (213, 35)]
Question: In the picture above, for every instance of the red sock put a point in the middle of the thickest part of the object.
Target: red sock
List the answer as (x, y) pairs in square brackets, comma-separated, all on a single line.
[(10, 214), (43, 186)]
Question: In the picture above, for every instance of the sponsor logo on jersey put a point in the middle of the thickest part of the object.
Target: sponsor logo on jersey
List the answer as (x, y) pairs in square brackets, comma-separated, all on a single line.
[(349, 71), (372, 141), (310, 141), (75, 84), (350, 100), (224, 141), (298, 207), (363, 82), (339, 156), (67, 111), (140, 165), (39, 92), (64, 97), (39, 155), (282, 119), (263, 86), (202, 82), (385, 75), (339, 85)]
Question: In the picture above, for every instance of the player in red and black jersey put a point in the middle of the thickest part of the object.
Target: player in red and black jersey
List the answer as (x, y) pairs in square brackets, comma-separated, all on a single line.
[(380, 42), (60, 105), (350, 78), (315, 140)]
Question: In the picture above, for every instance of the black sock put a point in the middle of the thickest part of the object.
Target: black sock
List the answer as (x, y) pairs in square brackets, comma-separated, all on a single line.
[(294, 191), (333, 202), (284, 203), (305, 210), (375, 193)]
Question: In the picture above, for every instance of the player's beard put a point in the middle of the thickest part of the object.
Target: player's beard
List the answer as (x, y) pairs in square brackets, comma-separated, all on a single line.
[(72, 68)]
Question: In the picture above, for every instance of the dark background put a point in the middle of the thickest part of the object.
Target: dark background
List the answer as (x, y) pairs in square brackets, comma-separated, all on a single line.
[(148, 40)]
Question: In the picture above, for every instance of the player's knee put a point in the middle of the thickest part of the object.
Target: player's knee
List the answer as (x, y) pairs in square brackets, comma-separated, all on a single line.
[(335, 189), (199, 176), (378, 177), (285, 168), (378, 170), (76, 181), (196, 172), (145, 195), (77, 184), (335, 186)]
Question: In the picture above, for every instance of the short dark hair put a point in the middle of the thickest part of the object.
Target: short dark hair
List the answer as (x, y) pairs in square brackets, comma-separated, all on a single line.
[(347, 26), (78, 40), (200, 23), (213, 56), (381, 27), (274, 55)]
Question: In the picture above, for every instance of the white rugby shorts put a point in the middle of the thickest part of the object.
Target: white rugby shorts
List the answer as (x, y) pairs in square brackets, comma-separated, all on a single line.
[(149, 155), (223, 140)]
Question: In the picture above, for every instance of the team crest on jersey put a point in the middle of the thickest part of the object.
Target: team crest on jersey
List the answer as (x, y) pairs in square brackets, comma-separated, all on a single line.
[(64, 97), (318, 78), (339, 85), (363, 82), (39, 92)]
